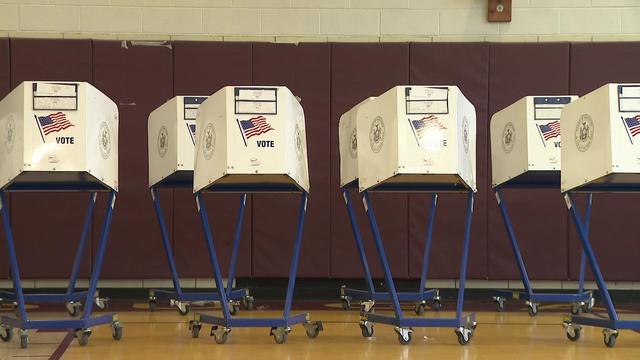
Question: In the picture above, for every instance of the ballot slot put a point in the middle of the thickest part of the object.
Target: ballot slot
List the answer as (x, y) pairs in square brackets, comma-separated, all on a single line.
[(191, 105), (420, 100), (55, 96), (629, 98), (256, 101), (549, 108)]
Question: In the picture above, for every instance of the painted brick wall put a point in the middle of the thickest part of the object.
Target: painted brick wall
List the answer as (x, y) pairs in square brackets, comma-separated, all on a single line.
[(320, 20)]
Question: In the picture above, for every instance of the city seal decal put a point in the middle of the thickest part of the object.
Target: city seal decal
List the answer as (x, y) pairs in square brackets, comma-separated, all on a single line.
[(9, 134), (465, 134), (104, 140), (298, 140), (353, 144), (208, 141), (376, 134), (508, 137), (584, 132), (163, 141)]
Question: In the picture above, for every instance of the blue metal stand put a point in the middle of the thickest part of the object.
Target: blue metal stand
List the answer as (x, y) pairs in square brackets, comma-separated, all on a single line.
[(612, 323), (280, 327), (581, 301), (81, 326), (423, 297), (183, 300), (464, 325)]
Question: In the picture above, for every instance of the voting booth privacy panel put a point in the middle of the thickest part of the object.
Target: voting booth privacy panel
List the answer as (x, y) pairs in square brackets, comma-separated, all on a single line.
[(348, 136)]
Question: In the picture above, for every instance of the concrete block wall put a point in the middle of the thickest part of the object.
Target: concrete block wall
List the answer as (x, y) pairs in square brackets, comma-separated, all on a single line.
[(320, 20)]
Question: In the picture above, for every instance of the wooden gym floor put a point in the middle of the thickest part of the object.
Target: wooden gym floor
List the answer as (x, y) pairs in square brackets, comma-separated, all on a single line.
[(164, 334)]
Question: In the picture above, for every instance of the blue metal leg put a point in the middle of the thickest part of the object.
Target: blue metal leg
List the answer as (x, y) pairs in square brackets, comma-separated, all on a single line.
[(236, 245), (293, 269), (382, 256), (86, 227), (427, 244), (13, 259), (465, 255), (359, 244), (204, 219), (166, 242), (583, 260), (586, 244), (102, 245)]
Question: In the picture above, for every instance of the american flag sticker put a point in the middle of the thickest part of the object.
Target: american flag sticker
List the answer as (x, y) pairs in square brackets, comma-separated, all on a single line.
[(253, 127), (549, 131), (632, 125), (425, 125), (52, 123), (192, 132)]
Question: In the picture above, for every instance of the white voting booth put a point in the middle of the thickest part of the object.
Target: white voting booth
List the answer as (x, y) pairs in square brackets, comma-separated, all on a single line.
[(348, 141), (525, 139), (601, 147), (417, 134), (58, 134), (248, 131), (171, 140)]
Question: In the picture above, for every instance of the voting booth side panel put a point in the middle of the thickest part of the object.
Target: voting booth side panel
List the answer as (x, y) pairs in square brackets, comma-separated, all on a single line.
[(212, 132), (162, 141), (585, 126), (466, 141), (348, 142), (509, 142), (101, 116), (12, 127), (296, 144)]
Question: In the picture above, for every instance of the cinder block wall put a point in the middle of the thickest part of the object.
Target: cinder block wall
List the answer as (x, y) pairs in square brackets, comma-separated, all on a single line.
[(320, 20)]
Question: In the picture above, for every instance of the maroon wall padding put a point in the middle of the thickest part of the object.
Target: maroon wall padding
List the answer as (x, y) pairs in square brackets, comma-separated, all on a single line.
[(615, 243), (539, 216), (47, 226), (5, 85), (306, 70), (138, 79), (357, 72), (202, 68), (467, 66)]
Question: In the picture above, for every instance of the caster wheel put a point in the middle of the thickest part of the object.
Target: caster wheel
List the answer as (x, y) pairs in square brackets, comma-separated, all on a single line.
[(73, 308), (195, 327), (24, 341), (6, 333), (153, 305), (116, 330), (101, 303), (576, 308), (366, 328), (313, 328), (220, 334), (464, 335), (573, 333), (532, 309), (366, 307), (83, 336), (436, 304), (280, 334), (234, 308), (588, 305), (346, 304), (499, 304), (248, 301), (404, 335), (183, 309), (16, 309), (610, 338), (419, 309)]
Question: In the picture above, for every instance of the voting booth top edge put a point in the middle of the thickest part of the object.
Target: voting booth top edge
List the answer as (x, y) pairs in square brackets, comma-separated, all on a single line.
[(600, 150), (417, 136), (251, 138), (58, 136), (525, 141)]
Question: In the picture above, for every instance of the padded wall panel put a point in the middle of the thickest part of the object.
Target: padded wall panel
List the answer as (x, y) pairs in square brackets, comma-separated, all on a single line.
[(305, 69), (204, 68), (467, 66), (47, 226), (138, 78), (357, 72), (5, 85), (616, 245), (539, 216)]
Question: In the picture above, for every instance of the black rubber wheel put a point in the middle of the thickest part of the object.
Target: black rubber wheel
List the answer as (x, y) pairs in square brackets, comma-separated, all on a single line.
[(419, 309), (462, 340), (7, 334), (116, 332), (588, 306), (403, 340), (222, 339), (102, 305), (612, 340), (575, 336), (24, 341), (185, 311), (280, 338), (532, 310), (499, 306), (346, 304), (367, 331), (234, 309), (575, 310), (248, 303), (74, 310), (83, 338), (436, 305), (153, 305), (314, 331), (195, 331)]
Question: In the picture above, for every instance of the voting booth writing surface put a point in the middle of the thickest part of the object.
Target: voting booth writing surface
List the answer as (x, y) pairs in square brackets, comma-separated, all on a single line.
[(58, 135), (172, 138), (248, 131), (417, 134), (525, 141), (600, 131)]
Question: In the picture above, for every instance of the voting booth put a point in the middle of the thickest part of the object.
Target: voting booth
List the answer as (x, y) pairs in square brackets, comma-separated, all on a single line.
[(59, 136), (348, 142), (251, 139), (525, 153), (171, 147), (417, 139), (600, 154)]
